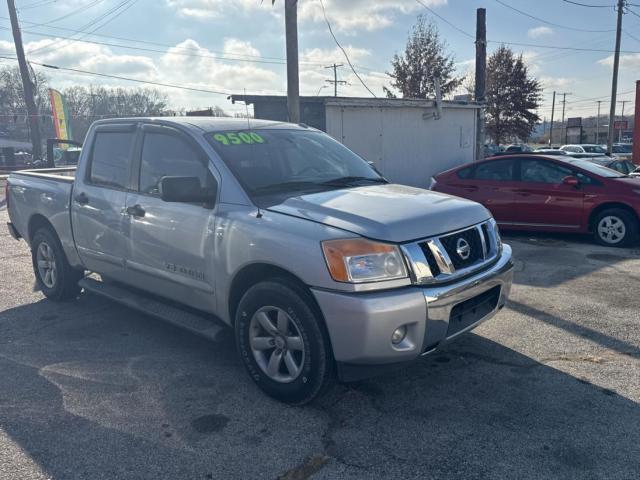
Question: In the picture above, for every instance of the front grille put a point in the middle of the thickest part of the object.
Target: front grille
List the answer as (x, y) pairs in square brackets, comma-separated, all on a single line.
[(470, 311), (431, 260), (469, 238), (441, 259)]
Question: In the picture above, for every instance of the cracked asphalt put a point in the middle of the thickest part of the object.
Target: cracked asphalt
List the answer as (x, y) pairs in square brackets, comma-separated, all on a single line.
[(547, 389)]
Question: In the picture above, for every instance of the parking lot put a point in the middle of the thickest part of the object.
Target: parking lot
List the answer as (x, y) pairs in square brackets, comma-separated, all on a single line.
[(547, 389)]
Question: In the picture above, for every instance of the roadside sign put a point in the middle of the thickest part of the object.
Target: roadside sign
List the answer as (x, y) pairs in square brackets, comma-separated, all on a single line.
[(621, 125)]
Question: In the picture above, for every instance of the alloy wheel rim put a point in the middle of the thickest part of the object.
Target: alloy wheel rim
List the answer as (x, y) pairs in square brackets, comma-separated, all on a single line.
[(611, 229), (276, 344), (46, 261)]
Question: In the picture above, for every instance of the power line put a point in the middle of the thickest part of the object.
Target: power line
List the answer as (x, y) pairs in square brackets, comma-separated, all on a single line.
[(324, 12), (557, 25), (81, 9), (143, 49), (126, 4), (146, 42), (118, 77), (588, 5), (446, 21)]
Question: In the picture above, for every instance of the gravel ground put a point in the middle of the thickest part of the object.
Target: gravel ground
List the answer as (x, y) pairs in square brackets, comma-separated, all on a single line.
[(547, 389)]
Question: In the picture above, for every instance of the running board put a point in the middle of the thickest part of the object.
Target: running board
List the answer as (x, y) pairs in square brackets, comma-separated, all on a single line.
[(200, 324)]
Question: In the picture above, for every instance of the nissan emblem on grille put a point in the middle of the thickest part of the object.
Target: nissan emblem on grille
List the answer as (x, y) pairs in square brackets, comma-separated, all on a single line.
[(463, 248)]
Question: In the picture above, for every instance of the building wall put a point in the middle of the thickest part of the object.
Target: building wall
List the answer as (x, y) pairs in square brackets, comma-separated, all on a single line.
[(404, 146)]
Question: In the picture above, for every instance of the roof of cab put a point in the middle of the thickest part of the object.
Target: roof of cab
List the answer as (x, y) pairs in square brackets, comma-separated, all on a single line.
[(208, 124)]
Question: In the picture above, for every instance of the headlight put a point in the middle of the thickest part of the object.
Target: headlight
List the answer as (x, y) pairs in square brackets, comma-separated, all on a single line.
[(357, 260), (496, 233)]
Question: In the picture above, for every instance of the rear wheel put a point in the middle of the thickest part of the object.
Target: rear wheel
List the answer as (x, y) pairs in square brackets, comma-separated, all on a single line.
[(615, 227), (56, 278), (282, 342)]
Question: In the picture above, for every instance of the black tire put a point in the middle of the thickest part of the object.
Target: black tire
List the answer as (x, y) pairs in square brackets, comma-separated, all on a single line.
[(617, 220), (64, 284), (316, 372)]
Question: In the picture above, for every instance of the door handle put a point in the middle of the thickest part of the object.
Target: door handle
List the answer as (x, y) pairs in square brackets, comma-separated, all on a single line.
[(524, 193), (136, 210), (81, 198)]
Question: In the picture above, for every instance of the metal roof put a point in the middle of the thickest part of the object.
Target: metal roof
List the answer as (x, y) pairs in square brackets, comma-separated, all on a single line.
[(356, 101)]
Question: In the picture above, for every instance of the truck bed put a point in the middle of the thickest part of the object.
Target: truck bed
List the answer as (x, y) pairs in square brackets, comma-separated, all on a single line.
[(42, 193)]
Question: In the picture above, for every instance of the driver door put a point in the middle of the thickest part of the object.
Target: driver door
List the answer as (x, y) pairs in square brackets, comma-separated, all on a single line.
[(171, 248), (543, 201)]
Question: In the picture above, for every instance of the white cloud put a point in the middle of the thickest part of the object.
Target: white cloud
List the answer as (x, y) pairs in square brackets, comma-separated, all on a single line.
[(538, 32), (555, 83), (204, 9), (360, 14), (328, 56), (629, 61)]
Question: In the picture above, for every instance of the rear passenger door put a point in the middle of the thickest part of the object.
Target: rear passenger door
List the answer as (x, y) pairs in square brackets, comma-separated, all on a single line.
[(171, 244), (492, 184), (98, 199)]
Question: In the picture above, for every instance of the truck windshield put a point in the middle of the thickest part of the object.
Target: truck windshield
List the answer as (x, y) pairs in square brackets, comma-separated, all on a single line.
[(268, 161)]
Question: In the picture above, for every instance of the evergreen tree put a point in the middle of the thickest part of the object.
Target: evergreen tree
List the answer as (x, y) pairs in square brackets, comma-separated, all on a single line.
[(424, 60), (512, 97)]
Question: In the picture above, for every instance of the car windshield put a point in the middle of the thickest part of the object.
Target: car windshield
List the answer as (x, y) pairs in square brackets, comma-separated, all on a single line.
[(593, 149), (621, 149), (596, 169), (271, 161)]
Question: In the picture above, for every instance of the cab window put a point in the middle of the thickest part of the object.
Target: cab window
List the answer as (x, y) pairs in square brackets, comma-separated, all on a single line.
[(169, 155), (111, 159)]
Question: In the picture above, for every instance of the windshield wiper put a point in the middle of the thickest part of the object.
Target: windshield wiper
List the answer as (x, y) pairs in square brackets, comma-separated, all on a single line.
[(286, 186), (352, 180)]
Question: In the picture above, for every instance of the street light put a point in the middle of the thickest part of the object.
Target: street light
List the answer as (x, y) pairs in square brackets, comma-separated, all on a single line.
[(320, 89)]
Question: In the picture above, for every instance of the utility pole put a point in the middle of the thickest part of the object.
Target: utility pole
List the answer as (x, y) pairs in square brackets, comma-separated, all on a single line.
[(598, 124), (335, 80), (564, 102), (293, 80), (481, 78), (623, 102), (636, 127), (27, 84), (614, 81), (553, 109)]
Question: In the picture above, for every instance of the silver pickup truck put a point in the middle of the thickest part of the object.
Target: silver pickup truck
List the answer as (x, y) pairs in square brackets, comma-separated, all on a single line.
[(322, 267)]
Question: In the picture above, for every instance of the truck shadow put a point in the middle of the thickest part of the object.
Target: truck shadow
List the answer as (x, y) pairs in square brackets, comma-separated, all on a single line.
[(548, 260), (90, 389)]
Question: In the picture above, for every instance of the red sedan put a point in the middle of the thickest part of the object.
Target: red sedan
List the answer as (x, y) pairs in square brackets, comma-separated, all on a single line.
[(551, 193)]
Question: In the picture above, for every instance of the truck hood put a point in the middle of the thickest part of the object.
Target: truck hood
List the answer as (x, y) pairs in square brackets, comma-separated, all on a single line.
[(392, 213)]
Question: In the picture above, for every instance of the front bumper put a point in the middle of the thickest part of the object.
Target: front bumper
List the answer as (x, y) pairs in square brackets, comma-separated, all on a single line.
[(361, 324)]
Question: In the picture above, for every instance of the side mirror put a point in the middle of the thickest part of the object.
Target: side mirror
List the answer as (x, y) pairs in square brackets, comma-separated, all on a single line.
[(571, 181), (373, 165), (185, 190)]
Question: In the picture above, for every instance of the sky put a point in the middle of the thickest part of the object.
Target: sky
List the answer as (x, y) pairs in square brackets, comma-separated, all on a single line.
[(233, 46)]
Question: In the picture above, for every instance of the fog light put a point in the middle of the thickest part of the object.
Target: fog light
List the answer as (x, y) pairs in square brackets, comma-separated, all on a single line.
[(399, 334)]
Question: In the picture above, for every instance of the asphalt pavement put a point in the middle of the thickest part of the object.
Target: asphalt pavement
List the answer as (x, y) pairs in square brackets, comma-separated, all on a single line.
[(547, 389)]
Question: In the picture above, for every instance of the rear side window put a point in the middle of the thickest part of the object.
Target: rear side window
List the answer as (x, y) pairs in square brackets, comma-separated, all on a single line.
[(169, 155), (541, 171), (110, 159), (465, 173), (497, 170)]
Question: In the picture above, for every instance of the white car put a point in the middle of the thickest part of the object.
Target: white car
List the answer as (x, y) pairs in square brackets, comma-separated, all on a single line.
[(584, 148)]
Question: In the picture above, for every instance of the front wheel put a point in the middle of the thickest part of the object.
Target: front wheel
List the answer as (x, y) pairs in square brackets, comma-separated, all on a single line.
[(282, 342), (56, 278), (615, 228)]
